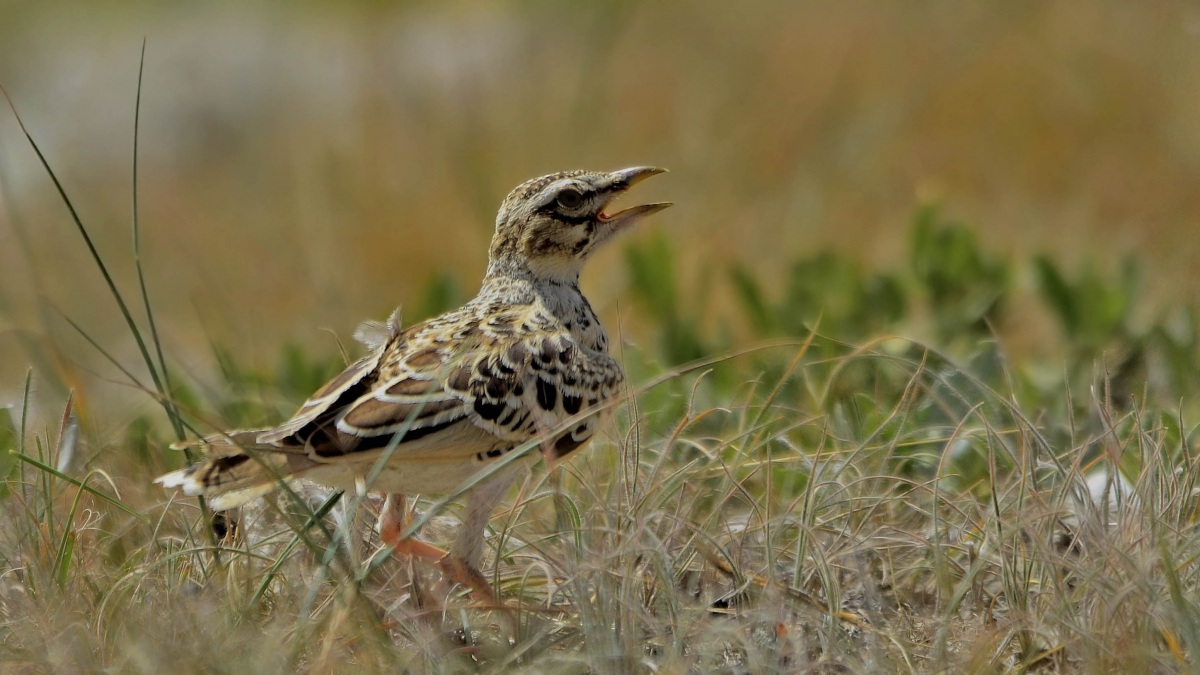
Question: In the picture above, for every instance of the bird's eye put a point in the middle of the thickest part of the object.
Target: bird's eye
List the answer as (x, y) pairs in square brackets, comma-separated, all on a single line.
[(570, 199)]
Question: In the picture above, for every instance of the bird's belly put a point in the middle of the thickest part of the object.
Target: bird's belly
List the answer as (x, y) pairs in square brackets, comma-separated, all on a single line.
[(410, 476)]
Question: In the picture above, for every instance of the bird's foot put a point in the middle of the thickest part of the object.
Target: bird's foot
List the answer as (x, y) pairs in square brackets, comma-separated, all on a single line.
[(392, 522), (459, 571)]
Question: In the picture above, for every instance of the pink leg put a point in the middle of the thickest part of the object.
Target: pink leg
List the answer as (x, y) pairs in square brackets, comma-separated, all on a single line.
[(393, 520)]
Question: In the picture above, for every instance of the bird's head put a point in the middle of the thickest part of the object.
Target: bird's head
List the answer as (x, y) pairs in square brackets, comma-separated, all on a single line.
[(547, 227)]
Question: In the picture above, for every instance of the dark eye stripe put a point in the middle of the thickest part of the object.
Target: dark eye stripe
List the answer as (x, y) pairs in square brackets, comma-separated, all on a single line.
[(574, 220)]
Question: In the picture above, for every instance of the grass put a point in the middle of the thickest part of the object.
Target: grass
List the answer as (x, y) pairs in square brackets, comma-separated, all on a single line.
[(793, 487), (789, 128), (774, 534), (811, 504)]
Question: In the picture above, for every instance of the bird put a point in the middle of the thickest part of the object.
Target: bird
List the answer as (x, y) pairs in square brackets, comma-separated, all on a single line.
[(442, 400)]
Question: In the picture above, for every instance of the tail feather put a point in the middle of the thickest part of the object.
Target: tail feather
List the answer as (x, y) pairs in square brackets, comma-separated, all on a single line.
[(230, 476), (223, 443)]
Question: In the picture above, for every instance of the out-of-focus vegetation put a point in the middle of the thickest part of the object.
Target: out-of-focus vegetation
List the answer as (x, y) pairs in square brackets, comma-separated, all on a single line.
[(842, 499), (921, 330), (309, 165)]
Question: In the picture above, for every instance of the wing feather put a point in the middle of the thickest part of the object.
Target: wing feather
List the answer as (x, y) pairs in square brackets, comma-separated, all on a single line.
[(327, 397), (455, 387), (470, 385)]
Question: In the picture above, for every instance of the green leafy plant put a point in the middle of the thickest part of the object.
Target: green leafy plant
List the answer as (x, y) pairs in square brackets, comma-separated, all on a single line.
[(1092, 310), (654, 281), (964, 285)]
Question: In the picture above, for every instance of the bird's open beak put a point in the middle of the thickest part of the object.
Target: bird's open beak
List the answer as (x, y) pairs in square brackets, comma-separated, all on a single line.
[(621, 181)]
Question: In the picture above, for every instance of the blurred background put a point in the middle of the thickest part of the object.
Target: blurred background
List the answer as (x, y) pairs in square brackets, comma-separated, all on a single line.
[(305, 166)]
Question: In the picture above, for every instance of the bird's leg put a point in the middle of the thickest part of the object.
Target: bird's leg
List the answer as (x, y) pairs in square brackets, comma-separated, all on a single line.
[(481, 501), (462, 563), (392, 521)]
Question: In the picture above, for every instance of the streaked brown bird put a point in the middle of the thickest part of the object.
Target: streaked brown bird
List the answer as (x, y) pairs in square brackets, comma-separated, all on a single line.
[(443, 399)]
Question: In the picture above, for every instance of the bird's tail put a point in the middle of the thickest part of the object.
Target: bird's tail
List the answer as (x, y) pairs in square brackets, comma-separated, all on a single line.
[(234, 471)]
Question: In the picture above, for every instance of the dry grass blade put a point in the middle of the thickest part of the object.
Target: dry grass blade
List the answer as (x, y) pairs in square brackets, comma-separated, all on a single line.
[(721, 561)]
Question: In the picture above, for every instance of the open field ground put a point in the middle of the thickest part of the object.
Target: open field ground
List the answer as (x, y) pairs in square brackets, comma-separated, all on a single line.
[(914, 361)]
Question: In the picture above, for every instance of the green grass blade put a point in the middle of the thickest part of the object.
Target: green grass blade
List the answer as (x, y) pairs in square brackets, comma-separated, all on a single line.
[(103, 352), (66, 544), (79, 484), (66, 553), (165, 390), (91, 246)]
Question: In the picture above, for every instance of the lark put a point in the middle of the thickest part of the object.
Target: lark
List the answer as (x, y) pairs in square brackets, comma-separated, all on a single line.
[(436, 403)]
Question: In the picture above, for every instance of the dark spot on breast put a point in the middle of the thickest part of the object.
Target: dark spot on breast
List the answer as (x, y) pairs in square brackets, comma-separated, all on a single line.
[(495, 452), (506, 420), (487, 410), (567, 353), (547, 394), (496, 388), (518, 390), (571, 404), (516, 354), (565, 445)]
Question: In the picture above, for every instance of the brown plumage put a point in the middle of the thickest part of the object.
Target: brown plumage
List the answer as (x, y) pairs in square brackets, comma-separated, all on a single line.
[(448, 396)]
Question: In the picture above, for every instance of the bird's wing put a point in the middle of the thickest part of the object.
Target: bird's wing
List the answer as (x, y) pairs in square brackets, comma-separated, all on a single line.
[(346, 385), (456, 387)]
